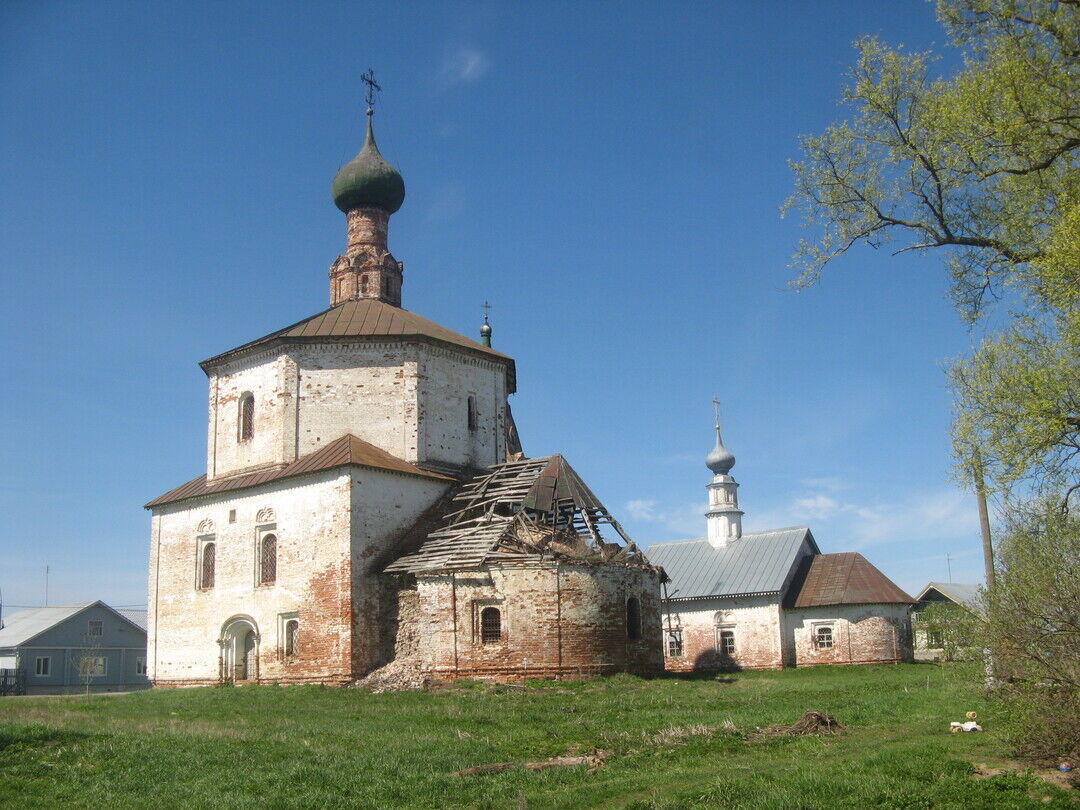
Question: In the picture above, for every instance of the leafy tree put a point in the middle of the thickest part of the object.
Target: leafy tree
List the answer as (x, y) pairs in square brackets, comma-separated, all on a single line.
[(984, 166), (1034, 629), (953, 629)]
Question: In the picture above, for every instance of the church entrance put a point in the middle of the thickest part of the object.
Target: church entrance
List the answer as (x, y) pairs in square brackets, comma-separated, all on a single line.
[(239, 650)]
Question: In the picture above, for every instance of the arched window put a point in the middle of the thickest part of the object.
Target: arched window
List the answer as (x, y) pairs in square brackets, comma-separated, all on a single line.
[(247, 417), (292, 637), (490, 625), (268, 560), (474, 421), (207, 565), (823, 638), (633, 618)]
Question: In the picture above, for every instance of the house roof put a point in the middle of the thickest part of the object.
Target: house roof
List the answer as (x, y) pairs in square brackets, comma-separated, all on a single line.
[(520, 509), (344, 451), (756, 563), (368, 318), (965, 595), (846, 579), (134, 616), (27, 624)]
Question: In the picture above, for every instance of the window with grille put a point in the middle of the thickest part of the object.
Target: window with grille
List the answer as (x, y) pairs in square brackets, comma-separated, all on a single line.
[(247, 416), (268, 560), (633, 618), (292, 637), (93, 628), (490, 626), (823, 638), (207, 565), (727, 642), (674, 645)]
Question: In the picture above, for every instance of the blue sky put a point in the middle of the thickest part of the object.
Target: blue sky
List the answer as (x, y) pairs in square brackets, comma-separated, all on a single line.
[(608, 175)]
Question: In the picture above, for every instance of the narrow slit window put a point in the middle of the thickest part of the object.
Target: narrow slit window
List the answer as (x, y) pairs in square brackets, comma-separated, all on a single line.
[(474, 420), (247, 417), (633, 618), (207, 566), (268, 560), (490, 626)]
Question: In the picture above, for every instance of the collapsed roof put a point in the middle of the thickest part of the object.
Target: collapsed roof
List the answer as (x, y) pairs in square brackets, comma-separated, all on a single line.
[(521, 509)]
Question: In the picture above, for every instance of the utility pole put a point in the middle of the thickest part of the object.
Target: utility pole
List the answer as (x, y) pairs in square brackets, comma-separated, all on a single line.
[(46, 585), (948, 565), (984, 517)]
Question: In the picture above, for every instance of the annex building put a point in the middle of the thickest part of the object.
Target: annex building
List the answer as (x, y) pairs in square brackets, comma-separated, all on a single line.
[(366, 501), (771, 599)]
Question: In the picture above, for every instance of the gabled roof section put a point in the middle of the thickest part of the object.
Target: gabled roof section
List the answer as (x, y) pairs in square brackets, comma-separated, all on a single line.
[(521, 509), (368, 318), (756, 563), (28, 624), (964, 595), (348, 450), (847, 579)]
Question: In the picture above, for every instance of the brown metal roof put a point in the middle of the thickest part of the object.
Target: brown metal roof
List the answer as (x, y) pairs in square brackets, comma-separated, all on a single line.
[(367, 318), (847, 579), (338, 453)]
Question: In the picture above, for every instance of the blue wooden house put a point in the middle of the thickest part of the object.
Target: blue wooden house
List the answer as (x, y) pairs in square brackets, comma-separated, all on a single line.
[(72, 648)]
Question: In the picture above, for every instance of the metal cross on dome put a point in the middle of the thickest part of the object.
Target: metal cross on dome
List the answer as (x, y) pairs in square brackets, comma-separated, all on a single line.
[(487, 308), (372, 87), (716, 409)]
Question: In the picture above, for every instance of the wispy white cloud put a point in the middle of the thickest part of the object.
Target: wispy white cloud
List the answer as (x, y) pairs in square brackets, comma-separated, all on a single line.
[(464, 64), (643, 509)]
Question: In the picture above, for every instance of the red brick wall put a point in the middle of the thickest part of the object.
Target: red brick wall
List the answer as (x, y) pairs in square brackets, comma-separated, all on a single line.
[(558, 620)]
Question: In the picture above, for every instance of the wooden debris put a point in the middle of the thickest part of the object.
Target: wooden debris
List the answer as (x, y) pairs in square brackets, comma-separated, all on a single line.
[(592, 761)]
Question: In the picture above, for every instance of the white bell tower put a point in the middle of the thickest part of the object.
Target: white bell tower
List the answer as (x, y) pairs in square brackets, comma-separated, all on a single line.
[(724, 517)]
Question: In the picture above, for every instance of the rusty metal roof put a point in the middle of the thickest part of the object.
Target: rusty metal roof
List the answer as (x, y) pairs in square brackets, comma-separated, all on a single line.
[(344, 451), (756, 563), (847, 579), (362, 319), (517, 510)]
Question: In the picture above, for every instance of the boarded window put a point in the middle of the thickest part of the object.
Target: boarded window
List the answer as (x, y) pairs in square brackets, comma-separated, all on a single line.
[(206, 568), (247, 417), (93, 628), (490, 625), (727, 642), (268, 560), (292, 637), (473, 419), (823, 638), (633, 618), (674, 644), (42, 666)]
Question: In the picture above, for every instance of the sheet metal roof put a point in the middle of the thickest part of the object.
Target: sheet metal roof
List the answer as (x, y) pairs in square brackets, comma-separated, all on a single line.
[(361, 319), (965, 595), (847, 579), (758, 562), (23, 626), (135, 616), (347, 450)]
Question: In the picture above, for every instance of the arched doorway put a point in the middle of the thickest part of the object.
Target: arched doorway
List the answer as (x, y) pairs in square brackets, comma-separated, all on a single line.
[(239, 649)]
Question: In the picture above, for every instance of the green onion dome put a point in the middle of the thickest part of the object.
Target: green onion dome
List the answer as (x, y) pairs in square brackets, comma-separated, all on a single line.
[(368, 180)]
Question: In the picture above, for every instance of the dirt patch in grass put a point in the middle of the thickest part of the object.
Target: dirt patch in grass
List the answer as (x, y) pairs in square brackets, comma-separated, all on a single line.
[(1062, 779)]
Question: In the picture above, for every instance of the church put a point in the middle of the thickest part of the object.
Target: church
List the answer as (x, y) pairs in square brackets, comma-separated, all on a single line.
[(771, 599), (366, 501)]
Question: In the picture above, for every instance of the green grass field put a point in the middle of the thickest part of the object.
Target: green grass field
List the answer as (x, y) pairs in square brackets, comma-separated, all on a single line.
[(670, 743)]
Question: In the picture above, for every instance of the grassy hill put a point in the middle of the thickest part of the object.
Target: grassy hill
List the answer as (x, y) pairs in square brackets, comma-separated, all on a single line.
[(666, 743)]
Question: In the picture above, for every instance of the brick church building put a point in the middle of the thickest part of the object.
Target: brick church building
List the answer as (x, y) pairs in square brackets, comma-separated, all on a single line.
[(771, 599), (366, 500)]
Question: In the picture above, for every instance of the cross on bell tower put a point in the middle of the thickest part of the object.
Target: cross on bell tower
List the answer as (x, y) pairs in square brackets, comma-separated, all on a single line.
[(724, 518)]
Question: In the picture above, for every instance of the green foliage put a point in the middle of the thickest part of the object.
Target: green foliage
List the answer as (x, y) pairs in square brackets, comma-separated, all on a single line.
[(983, 164), (673, 742), (1034, 631), (954, 629)]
